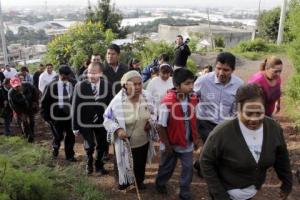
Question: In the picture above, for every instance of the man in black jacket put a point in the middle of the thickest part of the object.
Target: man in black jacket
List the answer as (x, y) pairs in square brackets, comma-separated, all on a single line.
[(90, 100), (181, 53), (56, 110), (23, 99), (6, 110), (36, 75), (113, 69)]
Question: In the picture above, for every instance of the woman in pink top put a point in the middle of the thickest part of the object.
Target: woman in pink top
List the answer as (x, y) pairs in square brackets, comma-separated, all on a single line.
[(269, 79)]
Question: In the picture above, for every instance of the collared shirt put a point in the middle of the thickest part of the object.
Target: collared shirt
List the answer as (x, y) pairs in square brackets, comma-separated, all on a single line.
[(163, 121), (60, 89), (45, 79), (9, 74), (217, 101)]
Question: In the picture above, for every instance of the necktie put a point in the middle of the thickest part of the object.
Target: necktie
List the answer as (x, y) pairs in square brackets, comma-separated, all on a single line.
[(66, 99), (65, 92), (94, 90), (95, 118)]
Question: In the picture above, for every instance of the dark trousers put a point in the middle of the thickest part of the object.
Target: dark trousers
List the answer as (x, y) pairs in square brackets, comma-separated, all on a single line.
[(139, 156), (212, 198), (7, 121), (90, 135), (167, 166), (27, 125), (204, 128), (58, 129)]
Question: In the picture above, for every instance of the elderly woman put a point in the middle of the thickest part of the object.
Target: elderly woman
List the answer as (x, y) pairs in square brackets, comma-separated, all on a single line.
[(129, 121), (269, 79), (238, 152)]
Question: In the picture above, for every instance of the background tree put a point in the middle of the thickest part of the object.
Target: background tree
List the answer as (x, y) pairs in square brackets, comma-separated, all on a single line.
[(108, 15), (268, 23), (79, 42)]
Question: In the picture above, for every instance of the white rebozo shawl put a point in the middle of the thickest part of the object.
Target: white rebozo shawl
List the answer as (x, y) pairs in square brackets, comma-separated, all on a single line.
[(113, 120)]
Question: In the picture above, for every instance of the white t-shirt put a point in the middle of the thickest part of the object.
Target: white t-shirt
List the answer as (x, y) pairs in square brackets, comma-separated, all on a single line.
[(158, 88), (254, 140), (9, 74), (45, 79)]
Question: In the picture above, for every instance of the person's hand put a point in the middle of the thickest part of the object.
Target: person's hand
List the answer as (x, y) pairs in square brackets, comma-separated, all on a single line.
[(168, 149), (197, 144), (76, 133), (147, 127), (283, 195), (122, 134)]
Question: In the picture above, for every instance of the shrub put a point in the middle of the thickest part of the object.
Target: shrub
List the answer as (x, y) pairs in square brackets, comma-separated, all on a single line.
[(26, 174), (257, 45)]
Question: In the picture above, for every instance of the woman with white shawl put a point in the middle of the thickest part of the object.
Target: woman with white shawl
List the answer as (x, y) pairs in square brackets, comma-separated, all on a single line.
[(130, 122)]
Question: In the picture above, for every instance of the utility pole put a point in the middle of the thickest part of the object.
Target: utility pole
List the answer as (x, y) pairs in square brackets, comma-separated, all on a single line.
[(210, 32), (256, 27), (281, 23), (4, 47)]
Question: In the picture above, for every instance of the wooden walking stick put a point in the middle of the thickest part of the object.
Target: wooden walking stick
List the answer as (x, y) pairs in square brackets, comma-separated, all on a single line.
[(126, 141)]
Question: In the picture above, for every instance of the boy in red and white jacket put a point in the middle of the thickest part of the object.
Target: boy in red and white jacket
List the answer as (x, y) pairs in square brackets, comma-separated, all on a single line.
[(178, 132)]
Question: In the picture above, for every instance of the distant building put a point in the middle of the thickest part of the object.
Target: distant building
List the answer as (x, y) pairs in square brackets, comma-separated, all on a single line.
[(232, 36)]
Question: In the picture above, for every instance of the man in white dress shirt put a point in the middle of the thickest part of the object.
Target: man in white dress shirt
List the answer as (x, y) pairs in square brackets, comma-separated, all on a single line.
[(46, 77), (9, 72)]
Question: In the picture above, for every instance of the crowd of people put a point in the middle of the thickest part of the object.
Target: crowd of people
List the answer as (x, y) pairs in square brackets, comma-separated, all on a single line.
[(130, 108)]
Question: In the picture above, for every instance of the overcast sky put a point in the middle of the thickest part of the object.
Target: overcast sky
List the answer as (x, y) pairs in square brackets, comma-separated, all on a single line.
[(200, 3)]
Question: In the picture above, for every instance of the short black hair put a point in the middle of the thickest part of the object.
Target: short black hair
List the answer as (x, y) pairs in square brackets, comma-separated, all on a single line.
[(165, 57), (226, 58), (114, 47), (248, 92), (64, 70), (180, 75), (180, 36), (49, 64), (24, 68)]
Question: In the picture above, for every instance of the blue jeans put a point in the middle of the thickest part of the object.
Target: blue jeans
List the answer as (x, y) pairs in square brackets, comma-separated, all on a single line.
[(167, 166)]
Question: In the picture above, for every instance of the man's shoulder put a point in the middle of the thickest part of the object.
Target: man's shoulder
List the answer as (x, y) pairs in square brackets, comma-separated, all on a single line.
[(237, 80), (206, 77)]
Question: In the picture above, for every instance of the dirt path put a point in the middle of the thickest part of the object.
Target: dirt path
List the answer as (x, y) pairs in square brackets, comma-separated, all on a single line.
[(269, 191)]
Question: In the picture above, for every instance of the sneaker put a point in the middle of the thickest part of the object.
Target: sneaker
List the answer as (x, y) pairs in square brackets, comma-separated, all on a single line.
[(55, 153), (89, 169), (185, 198), (298, 175), (161, 189), (123, 187), (102, 171), (142, 186), (71, 159)]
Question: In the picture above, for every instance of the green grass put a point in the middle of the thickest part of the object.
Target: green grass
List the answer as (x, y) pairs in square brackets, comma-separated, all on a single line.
[(27, 172)]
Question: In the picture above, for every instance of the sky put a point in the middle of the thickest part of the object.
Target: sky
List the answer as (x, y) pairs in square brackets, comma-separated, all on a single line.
[(200, 3)]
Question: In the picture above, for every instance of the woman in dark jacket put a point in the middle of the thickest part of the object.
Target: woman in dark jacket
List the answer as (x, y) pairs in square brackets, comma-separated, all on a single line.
[(238, 152), (23, 99)]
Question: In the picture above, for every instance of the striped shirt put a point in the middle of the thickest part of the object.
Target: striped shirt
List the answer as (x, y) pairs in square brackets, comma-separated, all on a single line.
[(217, 101)]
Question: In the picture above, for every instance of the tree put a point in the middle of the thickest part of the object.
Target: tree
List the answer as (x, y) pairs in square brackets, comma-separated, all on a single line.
[(78, 43), (108, 16), (267, 24), (293, 21)]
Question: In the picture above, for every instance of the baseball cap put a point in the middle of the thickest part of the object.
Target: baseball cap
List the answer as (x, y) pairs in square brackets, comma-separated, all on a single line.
[(15, 82)]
